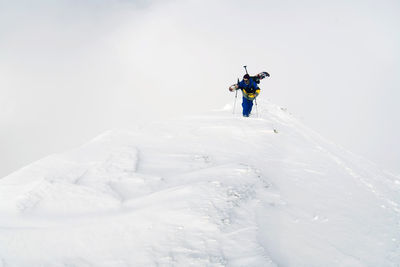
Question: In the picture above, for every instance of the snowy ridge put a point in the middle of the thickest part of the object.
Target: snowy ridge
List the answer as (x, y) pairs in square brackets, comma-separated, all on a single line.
[(211, 190)]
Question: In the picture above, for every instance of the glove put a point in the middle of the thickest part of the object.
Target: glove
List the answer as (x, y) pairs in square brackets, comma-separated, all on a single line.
[(233, 87)]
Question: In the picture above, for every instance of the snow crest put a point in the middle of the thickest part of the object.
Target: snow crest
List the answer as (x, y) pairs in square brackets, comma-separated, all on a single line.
[(211, 190)]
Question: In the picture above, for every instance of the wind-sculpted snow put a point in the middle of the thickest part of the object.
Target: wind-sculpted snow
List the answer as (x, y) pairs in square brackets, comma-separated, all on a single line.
[(211, 190)]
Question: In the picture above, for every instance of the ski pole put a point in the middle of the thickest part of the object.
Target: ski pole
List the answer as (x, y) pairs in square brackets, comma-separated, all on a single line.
[(234, 105), (255, 100), (245, 67)]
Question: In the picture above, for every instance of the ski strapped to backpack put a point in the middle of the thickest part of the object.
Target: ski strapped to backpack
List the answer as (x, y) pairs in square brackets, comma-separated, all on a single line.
[(260, 76), (257, 78)]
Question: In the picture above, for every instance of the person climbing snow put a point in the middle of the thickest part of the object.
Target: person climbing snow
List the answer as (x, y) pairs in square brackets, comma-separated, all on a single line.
[(250, 91)]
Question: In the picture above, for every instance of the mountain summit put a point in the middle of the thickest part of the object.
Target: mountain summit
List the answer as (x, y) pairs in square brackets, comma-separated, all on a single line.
[(210, 190)]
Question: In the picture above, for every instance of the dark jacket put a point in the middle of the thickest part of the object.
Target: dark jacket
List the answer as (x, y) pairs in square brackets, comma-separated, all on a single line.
[(251, 90)]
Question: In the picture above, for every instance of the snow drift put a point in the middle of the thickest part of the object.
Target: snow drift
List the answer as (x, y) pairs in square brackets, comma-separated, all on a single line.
[(210, 190)]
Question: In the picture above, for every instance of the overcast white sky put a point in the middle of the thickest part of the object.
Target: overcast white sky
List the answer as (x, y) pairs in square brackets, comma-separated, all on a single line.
[(71, 69)]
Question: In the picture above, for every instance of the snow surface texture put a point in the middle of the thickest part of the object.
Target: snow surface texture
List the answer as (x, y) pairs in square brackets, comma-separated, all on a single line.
[(211, 190)]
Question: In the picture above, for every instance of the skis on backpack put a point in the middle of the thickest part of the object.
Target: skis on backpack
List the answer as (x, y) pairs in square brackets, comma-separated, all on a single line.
[(257, 78)]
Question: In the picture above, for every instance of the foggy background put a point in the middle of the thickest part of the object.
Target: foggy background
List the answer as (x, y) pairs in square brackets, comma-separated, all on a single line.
[(70, 70)]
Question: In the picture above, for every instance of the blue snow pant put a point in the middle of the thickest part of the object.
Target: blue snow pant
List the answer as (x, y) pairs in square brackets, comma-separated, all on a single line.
[(247, 106)]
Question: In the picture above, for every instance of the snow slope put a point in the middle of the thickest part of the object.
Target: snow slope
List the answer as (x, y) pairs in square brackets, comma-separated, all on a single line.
[(210, 190)]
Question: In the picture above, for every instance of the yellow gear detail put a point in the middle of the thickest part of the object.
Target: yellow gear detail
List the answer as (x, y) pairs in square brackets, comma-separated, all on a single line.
[(251, 96)]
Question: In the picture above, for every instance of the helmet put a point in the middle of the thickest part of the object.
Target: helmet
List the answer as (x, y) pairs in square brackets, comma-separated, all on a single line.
[(246, 76)]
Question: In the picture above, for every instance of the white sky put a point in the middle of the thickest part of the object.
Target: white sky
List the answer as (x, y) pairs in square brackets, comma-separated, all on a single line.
[(71, 69)]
